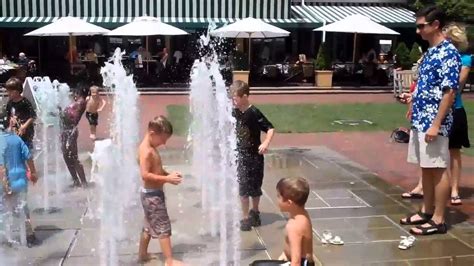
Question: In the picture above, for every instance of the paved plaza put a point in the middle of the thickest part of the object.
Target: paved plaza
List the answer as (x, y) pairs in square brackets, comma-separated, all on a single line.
[(346, 198)]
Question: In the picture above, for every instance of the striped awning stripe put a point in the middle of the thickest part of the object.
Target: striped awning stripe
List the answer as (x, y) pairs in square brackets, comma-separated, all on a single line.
[(171, 9), (124, 20), (332, 13)]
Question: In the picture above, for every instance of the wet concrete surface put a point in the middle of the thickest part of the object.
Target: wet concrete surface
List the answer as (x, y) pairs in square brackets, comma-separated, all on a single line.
[(346, 199)]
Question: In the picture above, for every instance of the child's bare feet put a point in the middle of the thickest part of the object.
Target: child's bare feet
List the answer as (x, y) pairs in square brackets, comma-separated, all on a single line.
[(92, 136), (146, 258), (174, 263)]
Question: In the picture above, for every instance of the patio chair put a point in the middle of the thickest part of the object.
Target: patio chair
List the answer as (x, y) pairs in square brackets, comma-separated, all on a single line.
[(308, 70)]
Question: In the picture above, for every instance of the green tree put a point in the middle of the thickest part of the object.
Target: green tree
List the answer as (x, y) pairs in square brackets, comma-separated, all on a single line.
[(415, 53), (323, 61), (418, 4), (456, 10), (403, 55)]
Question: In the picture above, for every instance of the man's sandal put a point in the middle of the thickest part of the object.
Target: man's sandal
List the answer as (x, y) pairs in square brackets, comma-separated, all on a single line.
[(432, 229), (425, 217)]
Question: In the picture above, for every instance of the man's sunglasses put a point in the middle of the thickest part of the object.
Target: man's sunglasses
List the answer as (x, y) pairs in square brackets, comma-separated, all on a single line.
[(422, 25)]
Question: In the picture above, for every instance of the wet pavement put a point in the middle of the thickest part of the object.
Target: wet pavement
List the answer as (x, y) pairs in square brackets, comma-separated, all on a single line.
[(346, 198)]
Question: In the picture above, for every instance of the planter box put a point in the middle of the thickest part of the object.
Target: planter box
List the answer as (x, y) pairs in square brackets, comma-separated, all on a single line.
[(323, 78), (242, 75)]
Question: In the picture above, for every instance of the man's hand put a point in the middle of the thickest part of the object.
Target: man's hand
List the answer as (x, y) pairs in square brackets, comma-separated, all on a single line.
[(263, 148), (431, 134), (174, 178), (405, 98)]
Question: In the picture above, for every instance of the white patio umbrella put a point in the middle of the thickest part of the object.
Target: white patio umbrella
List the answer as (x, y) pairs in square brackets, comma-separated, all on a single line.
[(146, 26), (357, 24), (250, 28), (68, 26)]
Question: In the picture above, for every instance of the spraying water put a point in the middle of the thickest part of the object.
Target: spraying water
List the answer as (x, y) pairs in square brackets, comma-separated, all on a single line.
[(214, 153), (114, 160), (49, 98)]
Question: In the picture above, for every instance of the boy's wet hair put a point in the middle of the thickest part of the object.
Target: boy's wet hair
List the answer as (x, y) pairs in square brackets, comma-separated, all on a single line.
[(14, 84), (161, 125), (295, 189), (240, 88)]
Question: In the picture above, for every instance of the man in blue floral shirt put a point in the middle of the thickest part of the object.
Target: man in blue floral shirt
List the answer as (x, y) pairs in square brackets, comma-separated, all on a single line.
[(431, 120)]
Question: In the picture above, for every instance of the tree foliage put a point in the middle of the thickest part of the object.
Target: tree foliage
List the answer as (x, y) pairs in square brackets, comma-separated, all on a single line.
[(415, 53), (456, 10), (403, 55), (323, 61)]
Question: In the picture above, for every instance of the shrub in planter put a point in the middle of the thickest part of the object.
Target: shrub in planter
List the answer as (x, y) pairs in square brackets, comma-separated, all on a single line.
[(323, 61), (415, 53), (403, 56), (322, 66)]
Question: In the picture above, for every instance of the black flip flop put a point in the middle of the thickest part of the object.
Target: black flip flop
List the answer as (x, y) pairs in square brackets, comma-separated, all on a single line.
[(412, 195), (455, 198), (434, 228), (425, 217)]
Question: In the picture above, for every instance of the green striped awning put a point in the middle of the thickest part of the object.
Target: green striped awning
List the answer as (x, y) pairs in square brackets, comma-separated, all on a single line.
[(388, 15), (25, 13), (111, 22), (122, 20)]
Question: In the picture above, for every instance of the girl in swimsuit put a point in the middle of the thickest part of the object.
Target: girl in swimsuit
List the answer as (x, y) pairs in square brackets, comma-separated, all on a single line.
[(70, 117)]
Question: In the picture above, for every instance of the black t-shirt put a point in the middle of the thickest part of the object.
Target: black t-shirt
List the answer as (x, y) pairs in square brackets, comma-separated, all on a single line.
[(249, 125), (23, 111)]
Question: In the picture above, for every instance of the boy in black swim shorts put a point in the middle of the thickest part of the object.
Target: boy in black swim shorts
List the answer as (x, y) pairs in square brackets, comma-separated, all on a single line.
[(94, 105), (250, 122)]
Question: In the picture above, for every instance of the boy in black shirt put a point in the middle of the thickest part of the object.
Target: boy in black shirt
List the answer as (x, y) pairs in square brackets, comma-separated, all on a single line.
[(20, 112), (250, 122)]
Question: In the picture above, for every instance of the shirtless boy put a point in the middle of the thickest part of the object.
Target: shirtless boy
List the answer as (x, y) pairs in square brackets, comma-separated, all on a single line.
[(292, 196), (157, 223), (95, 104)]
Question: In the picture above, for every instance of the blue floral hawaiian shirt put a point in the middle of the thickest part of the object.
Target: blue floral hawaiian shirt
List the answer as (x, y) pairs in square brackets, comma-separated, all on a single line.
[(438, 71)]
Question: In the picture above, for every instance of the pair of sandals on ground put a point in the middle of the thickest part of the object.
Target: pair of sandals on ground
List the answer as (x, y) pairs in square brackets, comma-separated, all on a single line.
[(455, 200)]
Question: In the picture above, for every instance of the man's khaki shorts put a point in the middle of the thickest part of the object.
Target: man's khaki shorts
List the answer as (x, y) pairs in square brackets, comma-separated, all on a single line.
[(428, 155)]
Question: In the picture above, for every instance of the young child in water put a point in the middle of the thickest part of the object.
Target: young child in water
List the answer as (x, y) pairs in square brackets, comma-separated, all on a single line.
[(95, 104), (250, 123), (70, 117), (157, 222), (292, 196)]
